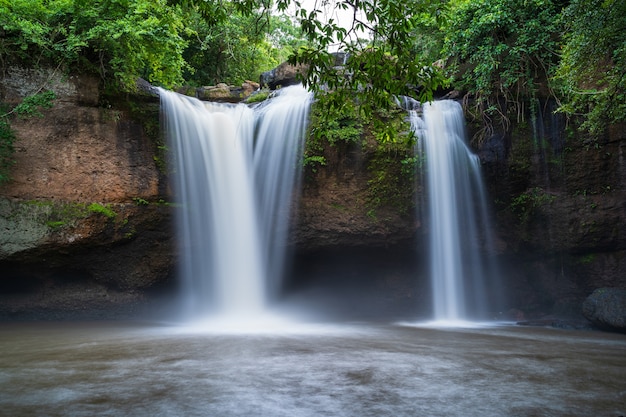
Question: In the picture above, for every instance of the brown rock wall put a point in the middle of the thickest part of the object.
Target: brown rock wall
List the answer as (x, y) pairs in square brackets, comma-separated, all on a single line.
[(84, 208), (560, 208), (82, 154), (335, 206)]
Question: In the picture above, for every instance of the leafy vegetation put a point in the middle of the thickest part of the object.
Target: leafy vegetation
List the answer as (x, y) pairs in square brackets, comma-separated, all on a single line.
[(502, 53), (592, 71), (167, 42), (326, 128), (524, 204), (239, 48), (379, 43)]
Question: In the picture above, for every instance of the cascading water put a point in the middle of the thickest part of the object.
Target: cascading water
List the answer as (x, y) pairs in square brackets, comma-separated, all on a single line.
[(235, 169), (457, 211)]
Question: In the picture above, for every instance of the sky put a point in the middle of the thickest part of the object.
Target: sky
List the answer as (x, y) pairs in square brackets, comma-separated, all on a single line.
[(328, 10)]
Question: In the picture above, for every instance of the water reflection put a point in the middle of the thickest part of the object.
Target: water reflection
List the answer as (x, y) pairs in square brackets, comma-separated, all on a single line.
[(89, 369)]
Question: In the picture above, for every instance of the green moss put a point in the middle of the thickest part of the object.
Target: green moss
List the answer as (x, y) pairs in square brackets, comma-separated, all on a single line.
[(61, 214), (104, 210), (258, 97), (55, 224)]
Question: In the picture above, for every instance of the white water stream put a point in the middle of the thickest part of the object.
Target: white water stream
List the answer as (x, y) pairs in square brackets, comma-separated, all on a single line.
[(458, 226), (235, 169)]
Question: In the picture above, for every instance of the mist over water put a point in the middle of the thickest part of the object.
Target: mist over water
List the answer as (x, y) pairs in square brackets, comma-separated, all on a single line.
[(105, 369)]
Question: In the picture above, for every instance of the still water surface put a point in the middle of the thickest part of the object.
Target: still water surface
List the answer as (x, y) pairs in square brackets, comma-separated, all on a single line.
[(139, 369)]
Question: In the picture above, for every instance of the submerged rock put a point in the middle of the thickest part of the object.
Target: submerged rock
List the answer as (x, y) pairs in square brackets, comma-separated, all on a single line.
[(606, 308)]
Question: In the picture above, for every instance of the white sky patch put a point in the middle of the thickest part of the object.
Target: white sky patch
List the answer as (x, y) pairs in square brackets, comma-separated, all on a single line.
[(329, 10)]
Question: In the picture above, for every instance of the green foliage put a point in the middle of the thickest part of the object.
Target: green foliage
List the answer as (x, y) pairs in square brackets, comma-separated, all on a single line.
[(121, 40), (140, 201), (33, 31), (239, 48), (164, 42), (385, 136), (31, 105), (258, 97), (345, 124), (130, 39), (328, 128), (524, 204), (592, 72), (501, 52), (391, 184), (379, 66)]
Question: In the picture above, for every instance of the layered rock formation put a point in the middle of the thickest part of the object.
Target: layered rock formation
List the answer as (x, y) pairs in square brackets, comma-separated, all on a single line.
[(86, 222), (560, 207)]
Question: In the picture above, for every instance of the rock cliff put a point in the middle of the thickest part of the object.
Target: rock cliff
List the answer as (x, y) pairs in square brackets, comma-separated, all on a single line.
[(86, 221), (560, 209)]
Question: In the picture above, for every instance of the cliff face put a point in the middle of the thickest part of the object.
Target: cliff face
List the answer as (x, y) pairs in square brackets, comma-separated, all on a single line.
[(336, 207), (83, 221), (86, 222), (560, 208)]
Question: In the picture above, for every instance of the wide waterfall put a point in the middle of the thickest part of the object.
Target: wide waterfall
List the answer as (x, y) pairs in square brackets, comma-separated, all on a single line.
[(236, 168), (458, 222)]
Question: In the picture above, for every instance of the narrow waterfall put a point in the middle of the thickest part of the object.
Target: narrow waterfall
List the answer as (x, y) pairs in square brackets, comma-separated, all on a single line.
[(458, 222), (236, 168)]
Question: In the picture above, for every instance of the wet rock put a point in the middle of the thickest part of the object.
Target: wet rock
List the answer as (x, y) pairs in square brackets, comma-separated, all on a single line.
[(606, 308), (283, 75), (220, 92), (223, 92)]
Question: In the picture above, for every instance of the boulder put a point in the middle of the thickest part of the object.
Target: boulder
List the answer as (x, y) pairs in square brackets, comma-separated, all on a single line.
[(283, 75), (606, 308), (220, 92), (223, 92)]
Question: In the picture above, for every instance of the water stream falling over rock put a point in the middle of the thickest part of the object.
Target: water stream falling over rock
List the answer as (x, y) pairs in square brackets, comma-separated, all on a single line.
[(458, 226), (235, 169)]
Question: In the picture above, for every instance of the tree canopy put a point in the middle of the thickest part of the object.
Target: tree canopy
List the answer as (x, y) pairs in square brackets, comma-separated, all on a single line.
[(497, 51)]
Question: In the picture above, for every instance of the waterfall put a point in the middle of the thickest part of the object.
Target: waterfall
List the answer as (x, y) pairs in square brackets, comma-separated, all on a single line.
[(235, 170), (458, 222)]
